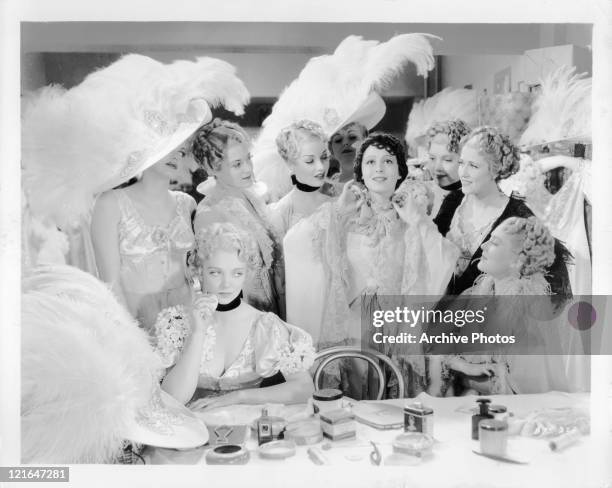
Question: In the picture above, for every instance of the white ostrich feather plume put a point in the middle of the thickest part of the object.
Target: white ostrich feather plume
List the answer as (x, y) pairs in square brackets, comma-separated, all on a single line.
[(562, 110), (86, 368), (449, 104), (329, 88), (75, 140)]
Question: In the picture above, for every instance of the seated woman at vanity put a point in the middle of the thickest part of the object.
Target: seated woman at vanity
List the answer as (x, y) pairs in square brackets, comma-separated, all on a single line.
[(515, 262), (221, 350)]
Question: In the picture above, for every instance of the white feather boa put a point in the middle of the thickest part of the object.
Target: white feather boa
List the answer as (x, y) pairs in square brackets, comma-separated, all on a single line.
[(329, 88), (86, 368)]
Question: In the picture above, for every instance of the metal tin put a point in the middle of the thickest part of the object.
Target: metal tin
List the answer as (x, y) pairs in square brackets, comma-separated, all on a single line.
[(493, 436), (326, 400), (418, 418)]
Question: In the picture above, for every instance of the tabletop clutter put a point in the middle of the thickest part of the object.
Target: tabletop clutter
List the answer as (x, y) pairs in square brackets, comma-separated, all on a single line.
[(335, 420)]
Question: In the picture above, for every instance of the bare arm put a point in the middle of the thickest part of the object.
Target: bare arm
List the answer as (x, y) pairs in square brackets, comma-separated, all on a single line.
[(105, 239), (181, 380), (298, 388)]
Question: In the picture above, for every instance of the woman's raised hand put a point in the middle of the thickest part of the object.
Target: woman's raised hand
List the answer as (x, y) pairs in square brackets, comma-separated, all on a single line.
[(204, 306), (352, 197), (407, 207)]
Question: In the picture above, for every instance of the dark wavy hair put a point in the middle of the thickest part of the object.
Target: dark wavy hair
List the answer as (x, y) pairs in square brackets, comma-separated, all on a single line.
[(211, 140), (389, 143)]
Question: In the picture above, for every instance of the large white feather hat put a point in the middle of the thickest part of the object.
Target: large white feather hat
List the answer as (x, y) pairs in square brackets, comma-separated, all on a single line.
[(562, 109), (334, 90), (449, 104), (119, 121), (89, 375)]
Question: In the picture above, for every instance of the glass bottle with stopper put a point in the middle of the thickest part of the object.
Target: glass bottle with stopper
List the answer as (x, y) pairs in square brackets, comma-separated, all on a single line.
[(481, 415)]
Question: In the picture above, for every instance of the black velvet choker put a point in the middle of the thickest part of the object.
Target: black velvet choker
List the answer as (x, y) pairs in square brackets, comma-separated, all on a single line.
[(302, 186), (453, 186), (226, 307)]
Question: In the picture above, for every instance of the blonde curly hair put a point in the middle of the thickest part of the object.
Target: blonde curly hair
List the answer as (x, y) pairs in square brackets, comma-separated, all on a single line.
[(537, 252), (225, 237), (455, 130), (290, 138), (503, 156)]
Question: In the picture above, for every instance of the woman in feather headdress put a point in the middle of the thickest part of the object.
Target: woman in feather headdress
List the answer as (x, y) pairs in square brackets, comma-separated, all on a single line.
[(132, 118), (341, 93)]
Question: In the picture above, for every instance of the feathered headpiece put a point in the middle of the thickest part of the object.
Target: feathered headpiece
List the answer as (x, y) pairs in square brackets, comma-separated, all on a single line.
[(88, 371), (562, 110), (333, 87), (119, 121), (449, 104)]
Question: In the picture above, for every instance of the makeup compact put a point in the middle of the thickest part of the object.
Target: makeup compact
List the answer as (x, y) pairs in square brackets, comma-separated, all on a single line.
[(413, 444), (277, 450), (228, 454), (304, 432)]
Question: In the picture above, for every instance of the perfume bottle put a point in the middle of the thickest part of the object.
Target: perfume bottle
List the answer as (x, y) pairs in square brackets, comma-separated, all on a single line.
[(264, 428), (483, 414)]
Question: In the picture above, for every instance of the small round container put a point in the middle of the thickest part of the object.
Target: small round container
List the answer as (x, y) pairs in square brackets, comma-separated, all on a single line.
[(228, 454), (327, 400), (277, 450), (493, 436), (413, 444), (304, 432)]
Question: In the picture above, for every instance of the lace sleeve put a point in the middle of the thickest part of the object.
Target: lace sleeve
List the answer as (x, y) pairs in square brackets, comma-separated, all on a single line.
[(281, 347), (429, 260), (171, 330)]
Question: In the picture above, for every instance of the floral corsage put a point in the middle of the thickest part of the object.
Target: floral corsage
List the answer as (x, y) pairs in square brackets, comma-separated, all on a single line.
[(171, 329)]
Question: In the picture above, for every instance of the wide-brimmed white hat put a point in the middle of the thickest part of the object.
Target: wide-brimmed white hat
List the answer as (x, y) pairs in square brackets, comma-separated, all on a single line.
[(115, 124), (334, 90), (448, 104), (90, 378), (368, 113)]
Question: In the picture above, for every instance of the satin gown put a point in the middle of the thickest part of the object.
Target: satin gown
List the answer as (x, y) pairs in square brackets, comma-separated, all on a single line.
[(271, 346), (284, 214), (152, 258)]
